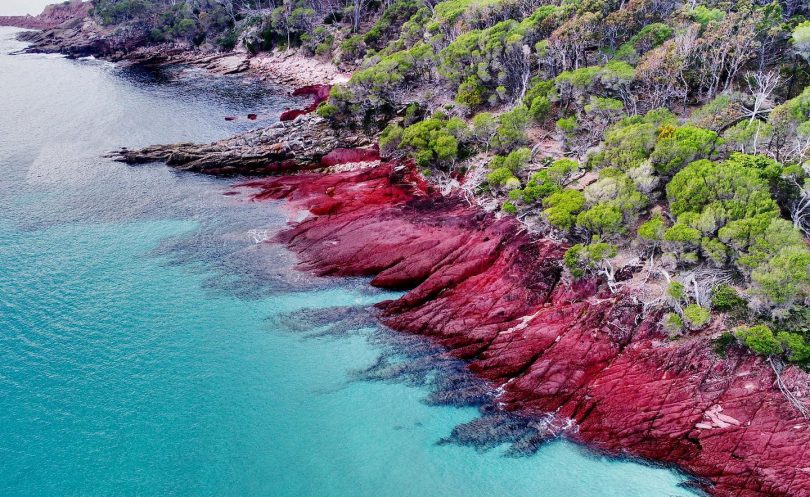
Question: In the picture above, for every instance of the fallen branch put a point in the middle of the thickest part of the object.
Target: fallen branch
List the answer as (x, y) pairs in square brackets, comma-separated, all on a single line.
[(778, 367)]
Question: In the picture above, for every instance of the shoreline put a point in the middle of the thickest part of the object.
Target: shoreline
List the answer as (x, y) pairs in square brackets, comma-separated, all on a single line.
[(493, 297), (545, 345)]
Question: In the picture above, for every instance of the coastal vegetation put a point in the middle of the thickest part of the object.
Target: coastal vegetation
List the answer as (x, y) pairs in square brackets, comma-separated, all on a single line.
[(669, 137)]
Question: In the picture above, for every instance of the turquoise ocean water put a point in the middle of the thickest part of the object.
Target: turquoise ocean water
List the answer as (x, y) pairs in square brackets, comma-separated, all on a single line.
[(146, 342)]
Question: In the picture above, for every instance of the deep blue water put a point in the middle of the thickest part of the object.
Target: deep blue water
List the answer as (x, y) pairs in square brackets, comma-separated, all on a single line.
[(147, 346)]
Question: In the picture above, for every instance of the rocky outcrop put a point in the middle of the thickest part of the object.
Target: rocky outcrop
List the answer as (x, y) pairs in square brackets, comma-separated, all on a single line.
[(78, 37), (492, 295), (319, 94), (52, 16), (68, 29), (284, 147)]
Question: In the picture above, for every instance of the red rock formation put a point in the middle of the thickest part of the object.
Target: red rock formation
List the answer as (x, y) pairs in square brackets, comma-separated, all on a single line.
[(493, 296), (52, 16), (319, 93), (350, 155)]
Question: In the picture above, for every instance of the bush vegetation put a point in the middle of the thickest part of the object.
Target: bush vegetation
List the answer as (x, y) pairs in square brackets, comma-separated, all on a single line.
[(680, 130)]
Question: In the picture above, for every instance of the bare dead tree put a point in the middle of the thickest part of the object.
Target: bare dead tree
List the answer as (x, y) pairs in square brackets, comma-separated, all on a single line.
[(721, 52), (475, 177), (800, 208), (358, 10), (229, 8), (518, 67), (778, 366), (761, 86), (607, 270), (445, 182)]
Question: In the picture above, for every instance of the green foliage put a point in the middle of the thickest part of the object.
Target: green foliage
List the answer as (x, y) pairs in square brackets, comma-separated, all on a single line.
[(352, 48), (785, 277), (390, 22), (676, 291), (228, 39), (376, 87), (327, 111), (682, 234), (390, 138), (759, 339), (449, 11), (500, 176), (539, 186), (794, 345), (677, 147), (602, 220), (695, 316), (514, 161), (653, 230), (561, 170), (538, 88), (321, 41), (748, 135), (471, 93), (572, 259), (760, 238), (730, 190), (715, 113), (567, 124), (509, 208), (511, 130), (704, 15), (582, 258), (673, 324), (117, 11), (479, 62), (540, 108), (612, 80), (484, 126), (650, 36), (725, 298), (723, 343), (164, 21), (562, 207), (629, 142), (433, 141), (801, 39), (599, 104), (789, 128)]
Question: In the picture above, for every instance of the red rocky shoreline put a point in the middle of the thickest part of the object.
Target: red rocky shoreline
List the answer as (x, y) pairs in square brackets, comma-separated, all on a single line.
[(493, 296)]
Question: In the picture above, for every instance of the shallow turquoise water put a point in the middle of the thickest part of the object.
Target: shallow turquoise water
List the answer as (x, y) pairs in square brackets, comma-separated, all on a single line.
[(143, 344)]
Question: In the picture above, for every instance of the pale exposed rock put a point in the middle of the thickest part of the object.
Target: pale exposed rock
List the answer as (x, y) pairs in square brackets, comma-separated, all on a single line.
[(283, 147)]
